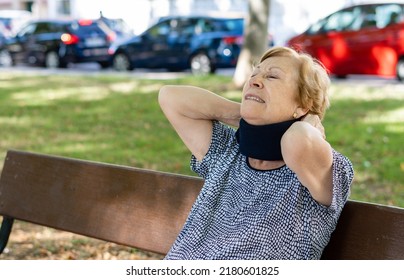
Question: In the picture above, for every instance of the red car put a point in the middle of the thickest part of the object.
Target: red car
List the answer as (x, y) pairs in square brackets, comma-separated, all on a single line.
[(362, 39)]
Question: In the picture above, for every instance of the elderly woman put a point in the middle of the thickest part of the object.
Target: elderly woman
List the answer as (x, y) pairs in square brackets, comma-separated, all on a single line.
[(274, 188)]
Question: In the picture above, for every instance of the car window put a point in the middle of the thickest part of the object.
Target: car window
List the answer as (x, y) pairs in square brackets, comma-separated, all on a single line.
[(161, 29), (42, 27), (27, 30), (368, 17), (13, 20), (60, 27), (182, 27), (5, 21), (204, 26), (117, 25), (229, 25), (343, 20), (86, 27), (389, 14), (234, 25), (317, 27)]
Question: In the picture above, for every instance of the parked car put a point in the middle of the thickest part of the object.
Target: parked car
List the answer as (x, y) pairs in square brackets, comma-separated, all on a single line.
[(201, 44), (55, 43), (4, 34), (119, 26), (12, 20), (361, 39)]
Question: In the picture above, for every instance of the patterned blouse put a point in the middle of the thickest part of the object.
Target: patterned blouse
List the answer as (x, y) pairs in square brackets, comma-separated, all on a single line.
[(243, 213)]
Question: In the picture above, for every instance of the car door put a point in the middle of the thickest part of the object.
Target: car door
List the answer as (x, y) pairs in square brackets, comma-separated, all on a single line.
[(347, 57), (330, 41), (42, 40), (165, 45), (176, 53), (374, 41), (148, 49), (19, 45), (361, 41)]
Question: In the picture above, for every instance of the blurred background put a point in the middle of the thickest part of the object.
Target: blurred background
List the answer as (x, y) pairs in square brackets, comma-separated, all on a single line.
[(202, 35), (287, 17)]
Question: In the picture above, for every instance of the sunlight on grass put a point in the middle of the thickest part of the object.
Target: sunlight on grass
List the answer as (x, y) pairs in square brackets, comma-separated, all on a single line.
[(126, 87), (398, 128), (151, 88), (78, 148), (365, 93), (44, 97), (392, 116), (18, 121)]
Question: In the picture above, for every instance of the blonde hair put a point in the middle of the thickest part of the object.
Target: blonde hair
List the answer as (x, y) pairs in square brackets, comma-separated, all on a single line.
[(313, 80)]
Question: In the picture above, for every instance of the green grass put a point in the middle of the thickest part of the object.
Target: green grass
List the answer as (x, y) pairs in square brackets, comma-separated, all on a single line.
[(116, 119)]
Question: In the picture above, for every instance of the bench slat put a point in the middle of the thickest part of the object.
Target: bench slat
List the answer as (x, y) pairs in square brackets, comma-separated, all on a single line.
[(368, 231), (128, 206)]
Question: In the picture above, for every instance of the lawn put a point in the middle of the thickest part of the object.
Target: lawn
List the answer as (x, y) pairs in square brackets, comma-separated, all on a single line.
[(116, 119)]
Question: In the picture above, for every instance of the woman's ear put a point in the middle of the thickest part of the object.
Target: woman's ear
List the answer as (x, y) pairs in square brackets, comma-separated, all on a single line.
[(300, 112)]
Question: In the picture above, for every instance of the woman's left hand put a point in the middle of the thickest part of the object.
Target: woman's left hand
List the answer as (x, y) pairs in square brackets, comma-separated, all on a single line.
[(315, 121)]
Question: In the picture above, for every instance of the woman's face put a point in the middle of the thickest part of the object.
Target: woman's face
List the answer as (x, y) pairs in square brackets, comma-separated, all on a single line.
[(270, 94)]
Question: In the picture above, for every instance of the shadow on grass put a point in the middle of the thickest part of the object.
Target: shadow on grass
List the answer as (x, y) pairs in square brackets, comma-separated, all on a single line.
[(370, 133)]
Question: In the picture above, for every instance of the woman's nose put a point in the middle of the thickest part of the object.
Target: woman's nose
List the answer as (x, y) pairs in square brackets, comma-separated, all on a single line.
[(256, 81)]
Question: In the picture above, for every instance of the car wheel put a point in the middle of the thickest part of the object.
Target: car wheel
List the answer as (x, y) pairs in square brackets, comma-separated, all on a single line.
[(52, 60), (201, 64), (121, 62), (5, 58), (400, 69)]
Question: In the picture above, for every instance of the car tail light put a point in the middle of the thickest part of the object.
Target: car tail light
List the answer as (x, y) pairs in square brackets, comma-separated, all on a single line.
[(85, 22), (111, 36), (233, 40), (69, 39), (111, 51)]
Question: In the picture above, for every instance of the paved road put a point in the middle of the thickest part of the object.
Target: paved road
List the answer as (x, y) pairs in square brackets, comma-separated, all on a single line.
[(94, 69)]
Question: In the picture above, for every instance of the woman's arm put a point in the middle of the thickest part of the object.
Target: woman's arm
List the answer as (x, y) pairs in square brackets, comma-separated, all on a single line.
[(309, 155), (191, 110)]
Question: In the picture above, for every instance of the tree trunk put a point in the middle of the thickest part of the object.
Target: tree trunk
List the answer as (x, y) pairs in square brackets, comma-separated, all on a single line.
[(255, 39)]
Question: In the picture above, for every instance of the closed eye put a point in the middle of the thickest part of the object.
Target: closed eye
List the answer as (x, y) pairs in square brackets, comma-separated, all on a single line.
[(270, 76)]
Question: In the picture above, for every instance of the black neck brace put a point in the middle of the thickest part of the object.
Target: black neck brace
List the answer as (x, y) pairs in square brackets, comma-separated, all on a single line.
[(262, 142)]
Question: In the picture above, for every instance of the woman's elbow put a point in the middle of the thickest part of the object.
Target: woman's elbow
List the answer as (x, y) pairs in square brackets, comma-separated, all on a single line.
[(164, 91), (165, 96)]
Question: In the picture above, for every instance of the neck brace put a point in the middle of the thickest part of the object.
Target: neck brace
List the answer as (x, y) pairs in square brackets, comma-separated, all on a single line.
[(262, 142)]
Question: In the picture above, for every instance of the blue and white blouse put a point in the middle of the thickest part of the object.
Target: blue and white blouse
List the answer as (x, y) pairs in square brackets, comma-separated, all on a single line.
[(243, 213)]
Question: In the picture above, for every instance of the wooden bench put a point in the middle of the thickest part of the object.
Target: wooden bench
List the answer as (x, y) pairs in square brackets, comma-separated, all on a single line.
[(146, 209)]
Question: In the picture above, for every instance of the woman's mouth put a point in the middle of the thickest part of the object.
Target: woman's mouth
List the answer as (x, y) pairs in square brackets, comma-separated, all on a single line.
[(253, 98)]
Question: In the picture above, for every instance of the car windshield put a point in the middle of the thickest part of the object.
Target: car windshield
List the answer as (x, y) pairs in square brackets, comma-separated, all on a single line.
[(118, 25), (234, 25), (359, 17), (86, 28), (5, 21)]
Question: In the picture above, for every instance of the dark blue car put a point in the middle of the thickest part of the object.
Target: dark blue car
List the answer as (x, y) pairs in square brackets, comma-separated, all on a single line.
[(55, 43), (201, 44)]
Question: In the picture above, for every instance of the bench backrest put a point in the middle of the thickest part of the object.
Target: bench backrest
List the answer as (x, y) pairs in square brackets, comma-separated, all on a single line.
[(146, 209), (128, 206)]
